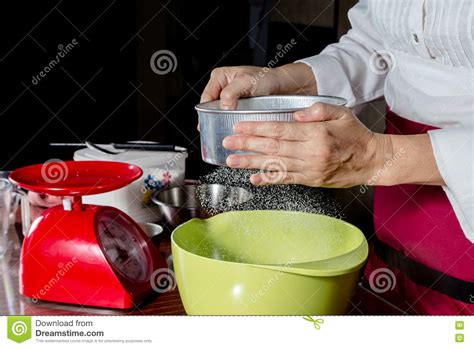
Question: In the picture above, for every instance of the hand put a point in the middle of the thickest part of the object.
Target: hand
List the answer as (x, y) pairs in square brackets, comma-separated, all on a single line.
[(327, 147), (231, 83)]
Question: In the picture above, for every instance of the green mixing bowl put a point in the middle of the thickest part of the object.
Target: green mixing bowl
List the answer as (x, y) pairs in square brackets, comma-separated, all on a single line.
[(267, 263)]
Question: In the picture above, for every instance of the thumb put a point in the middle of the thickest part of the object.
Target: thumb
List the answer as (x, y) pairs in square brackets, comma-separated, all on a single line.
[(320, 112)]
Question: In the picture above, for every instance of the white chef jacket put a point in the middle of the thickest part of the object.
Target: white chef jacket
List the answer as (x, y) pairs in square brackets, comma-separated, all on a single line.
[(419, 55)]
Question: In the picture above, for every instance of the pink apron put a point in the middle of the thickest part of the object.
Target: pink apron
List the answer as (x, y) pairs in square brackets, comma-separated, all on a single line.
[(419, 245)]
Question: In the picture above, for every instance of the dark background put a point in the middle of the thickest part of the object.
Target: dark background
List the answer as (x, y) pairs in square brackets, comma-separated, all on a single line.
[(104, 90)]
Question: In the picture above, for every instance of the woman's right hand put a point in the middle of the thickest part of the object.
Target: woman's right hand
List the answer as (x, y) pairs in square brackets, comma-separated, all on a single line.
[(231, 83)]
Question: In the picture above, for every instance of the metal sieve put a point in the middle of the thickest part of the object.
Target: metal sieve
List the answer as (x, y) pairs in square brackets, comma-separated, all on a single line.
[(215, 123)]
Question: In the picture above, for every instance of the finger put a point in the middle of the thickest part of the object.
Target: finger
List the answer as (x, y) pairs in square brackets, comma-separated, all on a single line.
[(239, 87), (214, 87), (320, 112), (278, 178), (265, 163), (277, 130), (267, 146)]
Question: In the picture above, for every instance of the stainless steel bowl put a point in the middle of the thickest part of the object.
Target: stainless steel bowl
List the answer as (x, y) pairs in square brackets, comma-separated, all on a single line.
[(151, 230), (215, 123), (216, 198), (179, 204)]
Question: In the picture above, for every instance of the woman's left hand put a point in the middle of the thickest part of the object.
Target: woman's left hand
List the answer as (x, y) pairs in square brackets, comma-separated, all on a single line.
[(327, 147)]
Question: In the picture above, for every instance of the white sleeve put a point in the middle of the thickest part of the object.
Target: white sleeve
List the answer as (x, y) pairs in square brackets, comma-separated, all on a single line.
[(454, 153), (351, 68)]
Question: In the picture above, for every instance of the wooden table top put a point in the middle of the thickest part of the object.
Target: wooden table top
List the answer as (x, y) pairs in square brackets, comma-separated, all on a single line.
[(169, 303)]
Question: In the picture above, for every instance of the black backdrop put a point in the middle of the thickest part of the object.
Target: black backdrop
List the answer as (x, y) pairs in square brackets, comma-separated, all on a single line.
[(103, 89)]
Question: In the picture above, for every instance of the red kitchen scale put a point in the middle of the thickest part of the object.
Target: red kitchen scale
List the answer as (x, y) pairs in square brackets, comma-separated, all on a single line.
[(85, 254)]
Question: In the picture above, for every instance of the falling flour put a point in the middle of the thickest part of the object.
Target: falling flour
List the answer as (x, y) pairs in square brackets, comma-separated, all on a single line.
[(270, 197)]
